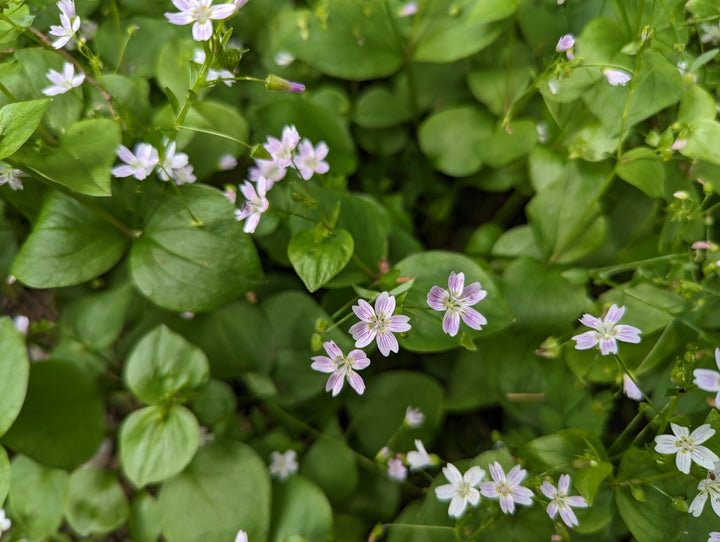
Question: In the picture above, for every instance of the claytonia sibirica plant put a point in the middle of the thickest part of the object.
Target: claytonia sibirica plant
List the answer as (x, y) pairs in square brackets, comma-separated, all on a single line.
[(378, 324), (507, 489), (396, 469), (11, 176), (688, 446), (62, 82), (709, 380), (709, 487), (341, 367), (310, 160), (255, 204), (419, 458), (138, 164), (616, 77), (462, 489), (69, 24), (607, 332), (282, 465), (200, 13), (561, 502), (457, 302)]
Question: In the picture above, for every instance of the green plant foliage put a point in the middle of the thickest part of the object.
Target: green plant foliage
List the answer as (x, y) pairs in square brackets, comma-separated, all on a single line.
[(318, 256), (19, 121), (300, 511), (96, 503), (14, 369)]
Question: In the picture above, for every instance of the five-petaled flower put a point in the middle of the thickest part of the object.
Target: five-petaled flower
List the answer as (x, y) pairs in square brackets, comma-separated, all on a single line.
[(457, 302), (606, 333), (616, 77), (62, 82), (414, 417), (461, 490), (507, 488), (561, 502), (139, 164), (11, 176), (688, 447), (69, 24), (341, 367), (709, 487), (310, 160), (282, 149), (283, 465), (380, 323), (200, 13), (255, 204), (709, 380), (418, 459)]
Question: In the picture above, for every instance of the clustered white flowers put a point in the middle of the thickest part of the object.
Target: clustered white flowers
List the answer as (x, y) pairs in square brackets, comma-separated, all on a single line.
[(145, 159)]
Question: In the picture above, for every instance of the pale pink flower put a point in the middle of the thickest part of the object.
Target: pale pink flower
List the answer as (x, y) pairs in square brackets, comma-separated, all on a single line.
[(341, 367), (419, 458), (714, 537), (457, 301), (63, 82), (310, 160), (566, 45), (687, 446), (269, 169), (507, 489), (396, 469), (616, 77), (380, 323), (255, 204), (606, 333), (282, 465), (282, 149), (414, 417), (139, 164), (561, 502), (709, 380), (631, 389), (69, 24), (22, 323), (461, 490), (227, 162), (200, 13), (11, 176)]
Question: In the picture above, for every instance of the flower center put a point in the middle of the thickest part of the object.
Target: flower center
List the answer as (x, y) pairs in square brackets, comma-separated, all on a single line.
[(504, 489), (685, 445), (464, 489)]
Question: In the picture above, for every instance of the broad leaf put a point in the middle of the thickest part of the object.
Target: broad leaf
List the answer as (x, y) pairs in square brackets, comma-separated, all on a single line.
[(315, 260)]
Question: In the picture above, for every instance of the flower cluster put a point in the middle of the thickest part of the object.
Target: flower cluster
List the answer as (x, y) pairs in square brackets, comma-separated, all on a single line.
[(201, 13), (69, 24), (287, 152), (145, 159)]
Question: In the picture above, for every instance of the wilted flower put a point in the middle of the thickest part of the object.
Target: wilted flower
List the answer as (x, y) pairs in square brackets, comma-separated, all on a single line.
[(283, 465), (380, 323), (62, 82), (687, 446), (69, 23), (507, 489), (310, 160), (139, 164), (457, 301), (200, 13), (561, 502), (255, 204), (616, 77), (709, 380), (606, 333), (414, 417), (341, 367), (461, 490)]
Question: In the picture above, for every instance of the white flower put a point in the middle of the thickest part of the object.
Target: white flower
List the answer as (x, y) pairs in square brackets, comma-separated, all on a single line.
[(269, 169), (616, 77), (418, 459), (22, 323), (139, 164), (241, 536), (11, 176), (341, 367), (283, 465), (708, 380), (62, 82), (408, 9), (255, 204), (227, 162), (714, 537), (184, 175), (69, 23), (213, 75), (282, 149), (507, 488), (200, 13), (310, 160), (5, 522), (630, 388), (414, 417), (457, 302), (687, 446), (710, 33), (283, 59), (171, 161), (564, 43), (710, 487), (461, 490), (561, 502), (606, 333), (396, 469)]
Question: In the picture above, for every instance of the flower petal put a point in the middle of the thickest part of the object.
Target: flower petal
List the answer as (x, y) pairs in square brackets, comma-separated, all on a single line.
[(387, 343), (451, 323), (473, 318), (385, 305), (436, 296), (364, 310), (614, 314), (586, 340)]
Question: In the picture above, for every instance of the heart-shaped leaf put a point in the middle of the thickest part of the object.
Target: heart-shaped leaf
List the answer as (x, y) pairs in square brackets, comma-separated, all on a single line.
[(316, 261)]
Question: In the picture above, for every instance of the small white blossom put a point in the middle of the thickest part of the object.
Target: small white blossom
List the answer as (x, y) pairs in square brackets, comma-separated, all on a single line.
[(5, 522), (709, 380), (241, 536), (310, 160), (607, 332), (687, 446), (171, 161), (255, 204), (69, 24), (396, 469), (227, 162), (283, 59), (630, 388), (507, 489), (283, 465), (63, 82), (561, 502), (414, 417), (139, 164), (378, 324), (457, 302), (270, 170), (709, 487), (709, 33), (408, 9), (714, 537), (282, 149), (616, 77), (22, 323), (11, 176), (200, 13), (418, 459), (461, 490)]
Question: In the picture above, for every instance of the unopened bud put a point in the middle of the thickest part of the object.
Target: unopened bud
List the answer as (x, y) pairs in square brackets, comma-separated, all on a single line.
[(273, 82)]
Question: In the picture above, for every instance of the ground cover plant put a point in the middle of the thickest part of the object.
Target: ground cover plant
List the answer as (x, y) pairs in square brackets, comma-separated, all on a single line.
[(359, 270)]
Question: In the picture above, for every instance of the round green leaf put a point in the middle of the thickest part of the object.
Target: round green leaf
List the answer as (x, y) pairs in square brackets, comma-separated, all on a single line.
[(642, 168), (433, 268), (62, 421), (701, 142), (331, 464), (144, 518), (14, 369), (300, 509), (157, 443), (37, 497), (315, 260), (70, 244), (18, 122), (450, 139), (163, 365), (224, 489), (96, 502), (183, 265)]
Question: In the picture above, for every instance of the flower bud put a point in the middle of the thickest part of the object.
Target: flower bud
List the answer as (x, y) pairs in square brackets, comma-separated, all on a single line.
[(273, 82)]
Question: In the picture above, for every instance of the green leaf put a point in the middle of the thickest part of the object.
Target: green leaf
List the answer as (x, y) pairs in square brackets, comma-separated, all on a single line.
[(96, 502), (37, 497), (5, 474), (696, 105), (182, 265), (378, 107), (300, 509), (70, 244), (508, 143), (642, 168), (224, 489), (83, 159), (451, 138), (433, 268), (317, 261), (18, 18), (144, 518), (346, 39), (14, 370), (157, 443), (18, 122), (163, 365), (66, 403), (701, 141), (331, 464)]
